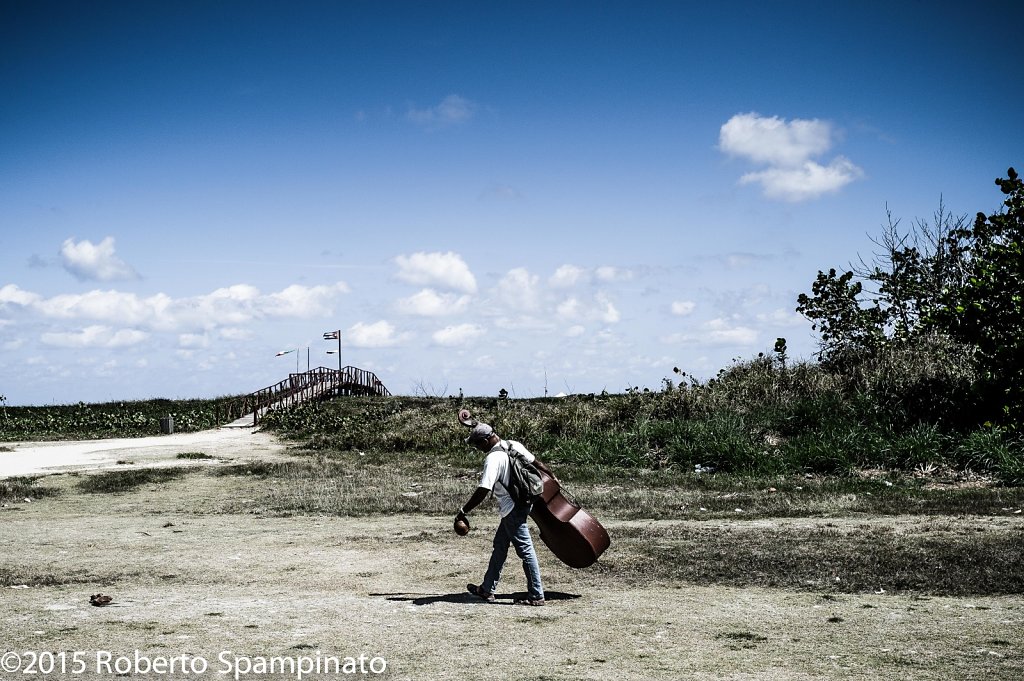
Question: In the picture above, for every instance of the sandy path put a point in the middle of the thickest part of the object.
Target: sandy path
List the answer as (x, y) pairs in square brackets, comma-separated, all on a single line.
[(40, 458)]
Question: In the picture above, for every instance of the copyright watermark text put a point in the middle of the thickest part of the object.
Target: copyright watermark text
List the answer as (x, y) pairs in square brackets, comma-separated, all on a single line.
[(226, 665)]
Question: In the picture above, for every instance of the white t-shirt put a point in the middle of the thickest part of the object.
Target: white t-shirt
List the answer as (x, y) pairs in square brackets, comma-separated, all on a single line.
[(495, 476)]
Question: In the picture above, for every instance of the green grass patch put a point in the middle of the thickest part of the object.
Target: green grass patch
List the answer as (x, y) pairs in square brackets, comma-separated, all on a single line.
[(119, 482), (193, 456), (260, 469), (20, 488)]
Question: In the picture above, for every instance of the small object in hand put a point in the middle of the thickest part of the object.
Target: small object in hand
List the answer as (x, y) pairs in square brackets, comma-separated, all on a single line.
[(99, 600), (461, 527)]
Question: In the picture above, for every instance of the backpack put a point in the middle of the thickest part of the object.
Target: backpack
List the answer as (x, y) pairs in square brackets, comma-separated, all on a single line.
[(524, 482)]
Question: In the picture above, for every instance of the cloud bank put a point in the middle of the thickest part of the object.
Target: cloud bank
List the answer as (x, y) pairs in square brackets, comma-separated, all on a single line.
[(225, 307)]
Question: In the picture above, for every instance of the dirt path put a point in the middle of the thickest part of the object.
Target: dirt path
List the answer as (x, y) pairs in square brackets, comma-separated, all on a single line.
[(40, 458), (188, 579)]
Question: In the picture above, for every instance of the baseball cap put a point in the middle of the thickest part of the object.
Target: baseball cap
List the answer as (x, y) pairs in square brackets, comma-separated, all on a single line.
[(480, 432)]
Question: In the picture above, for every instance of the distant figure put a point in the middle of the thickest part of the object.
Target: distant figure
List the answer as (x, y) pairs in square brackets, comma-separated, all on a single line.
[(512, 529)]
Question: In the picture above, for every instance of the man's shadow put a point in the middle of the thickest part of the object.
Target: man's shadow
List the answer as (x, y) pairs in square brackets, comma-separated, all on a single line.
[(466, 597)]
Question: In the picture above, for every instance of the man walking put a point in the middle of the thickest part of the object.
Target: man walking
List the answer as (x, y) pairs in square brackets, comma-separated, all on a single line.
[(512, 529)]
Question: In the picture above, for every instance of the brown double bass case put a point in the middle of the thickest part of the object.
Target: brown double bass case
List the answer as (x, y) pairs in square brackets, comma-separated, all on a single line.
[(573, 535)]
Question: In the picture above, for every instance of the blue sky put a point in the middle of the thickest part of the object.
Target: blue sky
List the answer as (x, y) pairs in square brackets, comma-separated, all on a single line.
[(563, 196)]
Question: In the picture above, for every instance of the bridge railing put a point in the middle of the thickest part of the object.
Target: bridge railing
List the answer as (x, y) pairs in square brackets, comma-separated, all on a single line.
[(302, 387)]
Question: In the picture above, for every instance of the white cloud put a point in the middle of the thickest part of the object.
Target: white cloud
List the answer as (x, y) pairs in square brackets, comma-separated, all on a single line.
[(782, 317), (107, 306), (774, 141), (457, 336), (808, 181), (721, 332), (303, 301), (94, 262), (600, 308), (452, 110), (95, 336), (232, 333), (787, 148), (567, 276), (445, 270), (569, 308), (609, 273), (575, 331), (607, 311), (11, 293), (430, 303), (526, 322), (520, 290), (683, 307), (229, 306), (484, 362), (380, 334), (716, 332), (193, 340)]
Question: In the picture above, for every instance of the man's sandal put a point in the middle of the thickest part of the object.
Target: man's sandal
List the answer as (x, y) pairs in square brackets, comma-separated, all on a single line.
[(483, 595), (529, 601)]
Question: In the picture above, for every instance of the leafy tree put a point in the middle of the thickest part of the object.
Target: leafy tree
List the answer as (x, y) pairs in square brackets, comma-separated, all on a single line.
[(988, 310), (892, 297), (847, 327), (948, 279), (916, 270)]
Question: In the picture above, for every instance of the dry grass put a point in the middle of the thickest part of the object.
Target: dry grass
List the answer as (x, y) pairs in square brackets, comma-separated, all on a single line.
[(925, 557), (186, 575)]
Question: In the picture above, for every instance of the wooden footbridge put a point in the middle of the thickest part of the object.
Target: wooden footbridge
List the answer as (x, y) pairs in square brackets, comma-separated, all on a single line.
[(316, 384)]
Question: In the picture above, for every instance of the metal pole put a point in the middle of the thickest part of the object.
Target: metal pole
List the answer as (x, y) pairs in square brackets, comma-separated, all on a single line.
[(339, 351)]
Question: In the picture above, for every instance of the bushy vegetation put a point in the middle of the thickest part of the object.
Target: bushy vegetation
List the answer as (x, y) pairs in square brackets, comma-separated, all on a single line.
[(950, 282), (111, 419), (760, 417)]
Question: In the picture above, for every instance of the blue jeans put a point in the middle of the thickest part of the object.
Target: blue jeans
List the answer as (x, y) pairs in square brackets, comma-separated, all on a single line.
[(513, 530)]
